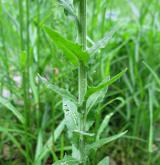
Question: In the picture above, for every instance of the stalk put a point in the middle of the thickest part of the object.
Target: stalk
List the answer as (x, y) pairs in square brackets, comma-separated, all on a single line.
[(82, 73)]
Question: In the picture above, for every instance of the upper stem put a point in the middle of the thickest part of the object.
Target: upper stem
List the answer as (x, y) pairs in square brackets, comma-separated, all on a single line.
[(82, 83), (82, 73)]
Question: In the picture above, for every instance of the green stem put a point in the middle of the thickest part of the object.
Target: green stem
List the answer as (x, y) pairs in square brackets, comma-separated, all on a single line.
[(82, 73), (82, 84)]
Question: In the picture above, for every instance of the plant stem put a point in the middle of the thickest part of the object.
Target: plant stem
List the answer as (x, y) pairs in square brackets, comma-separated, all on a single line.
[(82, 73), (82, 77)]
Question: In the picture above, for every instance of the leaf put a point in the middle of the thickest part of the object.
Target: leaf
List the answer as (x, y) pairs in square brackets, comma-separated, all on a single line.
[(33, 85), (104, 161), (104, 141), (62, 92), (59, 130), (72, 117), (68, 6), (71, 50), (48, 145), (150, 139), (92, 90), (39, 144), (96, 97), (84, 133), (134, 9), (103, 125), (9, 106), (103, 42), (17, 144), (76, 152), (69, 10), (153, 73), (67, 160)]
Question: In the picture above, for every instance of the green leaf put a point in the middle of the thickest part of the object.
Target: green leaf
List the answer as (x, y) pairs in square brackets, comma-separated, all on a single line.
[(71, 50), (62, 92), (72, 116), (75, 151), (59, 130), (103, 125), (67, 160), (104, 161), (68, 6), (102, 42), (9, 106), (84, 133), (16, 143), (48, 145), (39, 144), (153, 73), (96, 97), (103, 85), (104, 141), (33, 85), (151, 129)]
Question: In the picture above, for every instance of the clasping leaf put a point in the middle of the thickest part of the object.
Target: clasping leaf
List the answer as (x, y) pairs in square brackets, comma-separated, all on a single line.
[(96, 145), (72, 117), (67, 160), (62, 92), (92, 90), (71, 50)]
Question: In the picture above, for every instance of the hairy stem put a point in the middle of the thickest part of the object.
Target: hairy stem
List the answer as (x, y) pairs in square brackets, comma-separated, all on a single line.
[(82, 73)]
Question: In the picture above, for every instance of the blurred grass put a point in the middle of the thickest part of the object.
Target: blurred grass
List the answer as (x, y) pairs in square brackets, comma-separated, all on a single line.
[(25, 51)]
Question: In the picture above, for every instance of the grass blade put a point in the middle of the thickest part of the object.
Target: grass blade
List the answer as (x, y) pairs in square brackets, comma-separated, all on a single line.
[(9, 106), (153, 73)]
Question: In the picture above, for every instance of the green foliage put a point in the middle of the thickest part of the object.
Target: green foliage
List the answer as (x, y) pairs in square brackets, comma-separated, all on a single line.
[(66, 160), (72, 117), (71, 50), (62, 92), (79, 112), (92, 90), (10, 107), (105, 161), (99, 143)]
